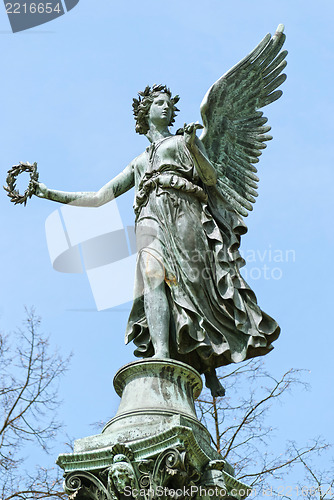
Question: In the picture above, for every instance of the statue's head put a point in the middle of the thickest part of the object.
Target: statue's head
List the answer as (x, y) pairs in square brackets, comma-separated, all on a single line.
[(142, 106), (122, 474)]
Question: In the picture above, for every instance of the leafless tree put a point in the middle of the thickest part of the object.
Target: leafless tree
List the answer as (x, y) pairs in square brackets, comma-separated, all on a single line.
[(28, 394), (29, 376), (320, 482), (239, 423)]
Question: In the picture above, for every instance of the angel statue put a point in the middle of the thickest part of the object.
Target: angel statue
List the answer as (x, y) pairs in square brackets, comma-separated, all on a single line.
[(191, 302)]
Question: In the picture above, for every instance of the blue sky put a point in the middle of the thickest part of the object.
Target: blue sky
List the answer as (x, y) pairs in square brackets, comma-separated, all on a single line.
[(67, 89)]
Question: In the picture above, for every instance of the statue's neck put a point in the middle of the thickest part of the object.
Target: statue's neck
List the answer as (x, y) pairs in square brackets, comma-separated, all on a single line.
[(156, 134)]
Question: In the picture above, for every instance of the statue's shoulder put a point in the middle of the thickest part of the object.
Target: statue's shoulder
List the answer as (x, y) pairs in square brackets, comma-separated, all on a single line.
[(140, 160)]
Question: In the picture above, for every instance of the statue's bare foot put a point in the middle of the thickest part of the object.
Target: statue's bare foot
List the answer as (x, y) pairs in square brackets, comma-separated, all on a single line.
[(212, 382)]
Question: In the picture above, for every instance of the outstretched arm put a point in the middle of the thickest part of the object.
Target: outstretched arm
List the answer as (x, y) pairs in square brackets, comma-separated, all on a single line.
[(117, 186), (204, 167)]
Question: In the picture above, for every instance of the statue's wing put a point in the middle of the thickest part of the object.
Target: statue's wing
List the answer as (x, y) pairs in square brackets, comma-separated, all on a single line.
[(234, 130)]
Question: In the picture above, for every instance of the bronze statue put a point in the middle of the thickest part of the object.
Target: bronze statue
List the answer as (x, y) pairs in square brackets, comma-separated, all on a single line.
[(191, 302)]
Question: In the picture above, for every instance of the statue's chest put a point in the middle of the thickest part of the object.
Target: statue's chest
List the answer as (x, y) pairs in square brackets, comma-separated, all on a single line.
[(168, 154)]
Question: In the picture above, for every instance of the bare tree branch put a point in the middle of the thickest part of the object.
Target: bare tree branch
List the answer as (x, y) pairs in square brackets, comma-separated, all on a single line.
[(29, 375), (238, 422)]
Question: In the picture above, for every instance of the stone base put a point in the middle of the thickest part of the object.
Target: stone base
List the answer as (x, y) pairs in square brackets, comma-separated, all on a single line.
[(154, 445)]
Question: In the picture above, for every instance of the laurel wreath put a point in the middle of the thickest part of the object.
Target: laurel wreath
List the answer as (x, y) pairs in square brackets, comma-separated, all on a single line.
[(12, 174)]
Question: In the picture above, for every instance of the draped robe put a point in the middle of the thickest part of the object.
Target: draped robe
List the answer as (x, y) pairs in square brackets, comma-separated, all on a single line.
[(195, 236)]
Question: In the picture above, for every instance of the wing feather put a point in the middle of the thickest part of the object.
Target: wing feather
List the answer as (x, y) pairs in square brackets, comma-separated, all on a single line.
[(270, 98), (235, 131), (242, 177), (273, 48), (241, 201), (248, 175), (275, 83), (274, 73), (276, 63)]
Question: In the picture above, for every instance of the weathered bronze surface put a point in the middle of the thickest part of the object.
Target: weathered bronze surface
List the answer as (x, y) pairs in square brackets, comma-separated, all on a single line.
[(192, 309), (191, 303), (154, 447)]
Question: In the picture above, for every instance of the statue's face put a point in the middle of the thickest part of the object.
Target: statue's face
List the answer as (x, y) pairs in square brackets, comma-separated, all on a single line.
[(121, 478), (161, 110)]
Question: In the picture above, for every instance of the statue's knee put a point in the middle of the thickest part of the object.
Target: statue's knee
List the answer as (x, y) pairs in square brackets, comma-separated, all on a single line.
[(152, 270)]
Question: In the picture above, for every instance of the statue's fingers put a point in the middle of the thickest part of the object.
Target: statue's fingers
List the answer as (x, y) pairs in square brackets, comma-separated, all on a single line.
[(198, 125)]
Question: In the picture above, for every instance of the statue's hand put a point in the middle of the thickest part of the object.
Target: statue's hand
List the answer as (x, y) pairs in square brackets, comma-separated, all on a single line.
[(190, 133), (41, 189)]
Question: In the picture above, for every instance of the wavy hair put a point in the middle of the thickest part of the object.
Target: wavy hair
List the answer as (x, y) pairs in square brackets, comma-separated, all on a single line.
[(142, 106)]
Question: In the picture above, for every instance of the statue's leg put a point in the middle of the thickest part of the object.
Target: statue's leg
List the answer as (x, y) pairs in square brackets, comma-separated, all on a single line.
[(156, 303), (213, 383)]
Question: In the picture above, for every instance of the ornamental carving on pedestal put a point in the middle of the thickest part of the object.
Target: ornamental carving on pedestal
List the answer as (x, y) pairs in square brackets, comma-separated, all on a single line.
[(125, 478)]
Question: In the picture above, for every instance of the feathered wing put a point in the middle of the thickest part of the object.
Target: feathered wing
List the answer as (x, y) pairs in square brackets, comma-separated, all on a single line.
[(234, 130)]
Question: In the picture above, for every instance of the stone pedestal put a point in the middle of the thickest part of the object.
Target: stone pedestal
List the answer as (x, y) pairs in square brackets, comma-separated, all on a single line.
[(154, 447)]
